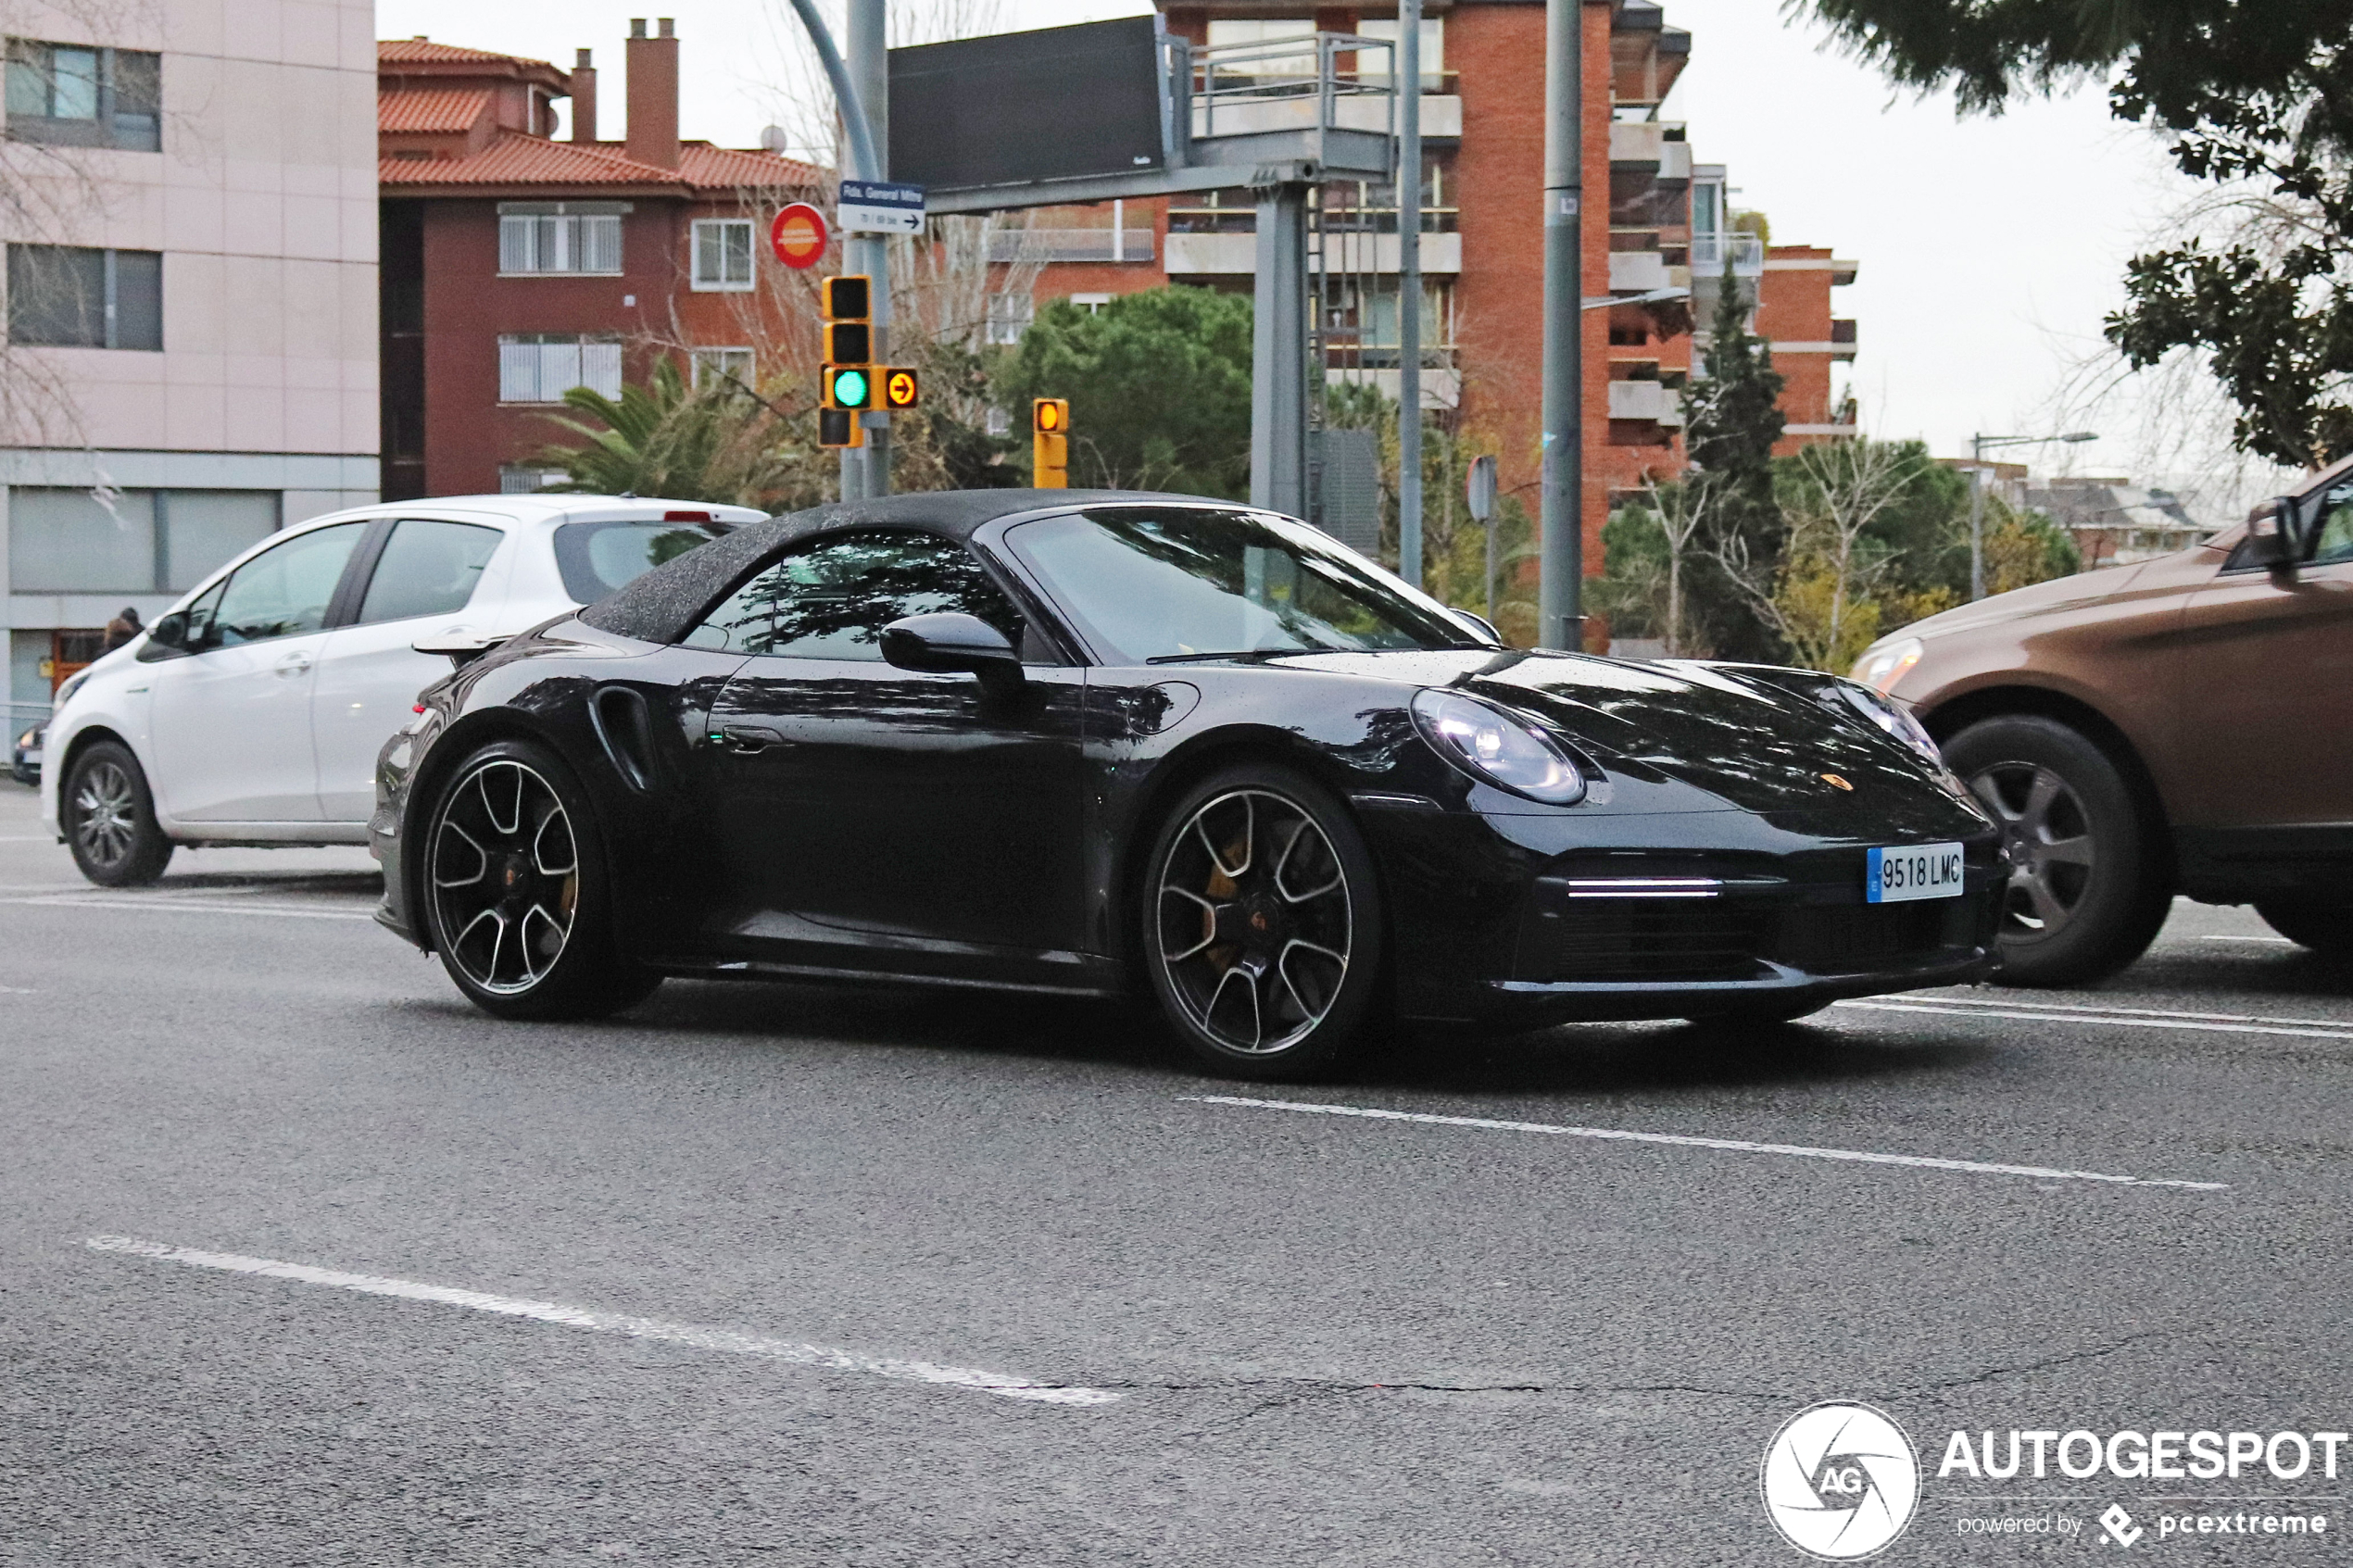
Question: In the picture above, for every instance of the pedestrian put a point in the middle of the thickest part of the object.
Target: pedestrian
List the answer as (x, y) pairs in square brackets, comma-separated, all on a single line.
[(123, 627)]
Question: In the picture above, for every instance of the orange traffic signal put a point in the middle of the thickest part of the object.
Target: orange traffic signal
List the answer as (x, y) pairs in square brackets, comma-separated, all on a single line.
[(1049, 442)]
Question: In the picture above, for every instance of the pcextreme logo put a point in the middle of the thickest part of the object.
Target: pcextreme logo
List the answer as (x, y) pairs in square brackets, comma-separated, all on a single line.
[(1840, 1481)]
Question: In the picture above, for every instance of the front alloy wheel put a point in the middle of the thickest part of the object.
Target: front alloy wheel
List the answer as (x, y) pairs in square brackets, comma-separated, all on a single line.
[(518, 902), (506, 876), (109, 819), (2048, 836), (1261, 928)]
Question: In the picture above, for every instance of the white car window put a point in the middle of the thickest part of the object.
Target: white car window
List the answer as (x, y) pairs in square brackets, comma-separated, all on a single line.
[(428, 567), (285, 591)]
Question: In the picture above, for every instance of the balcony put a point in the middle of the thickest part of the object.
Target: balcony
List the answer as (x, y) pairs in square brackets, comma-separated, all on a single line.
[(1746, 251), (1649, 145), (1191, 256), (1043, 244), (1649, 401)]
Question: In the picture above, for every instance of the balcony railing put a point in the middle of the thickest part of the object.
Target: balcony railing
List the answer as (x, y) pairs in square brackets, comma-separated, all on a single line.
[(1070, 245), (1708, 252)]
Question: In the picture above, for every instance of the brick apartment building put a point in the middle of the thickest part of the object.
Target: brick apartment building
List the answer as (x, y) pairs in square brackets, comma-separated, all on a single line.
[(516, 266), (1668, 227)]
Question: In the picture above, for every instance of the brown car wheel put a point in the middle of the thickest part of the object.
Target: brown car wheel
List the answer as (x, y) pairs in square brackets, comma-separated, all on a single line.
[(2087, 889)]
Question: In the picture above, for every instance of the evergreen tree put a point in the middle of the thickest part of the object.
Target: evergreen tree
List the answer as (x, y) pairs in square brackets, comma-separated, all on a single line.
[(1730, 421)]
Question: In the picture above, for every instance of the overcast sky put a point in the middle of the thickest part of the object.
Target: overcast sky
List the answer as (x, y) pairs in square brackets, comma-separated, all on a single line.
[(1989, 249)]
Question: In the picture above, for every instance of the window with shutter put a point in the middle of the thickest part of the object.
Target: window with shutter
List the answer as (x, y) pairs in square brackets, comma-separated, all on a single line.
[(539, 238), (723, 251)]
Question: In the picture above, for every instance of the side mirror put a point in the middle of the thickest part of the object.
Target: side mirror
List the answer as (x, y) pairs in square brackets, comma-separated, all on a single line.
[(949, 641), (167, 638), (2274, 539)]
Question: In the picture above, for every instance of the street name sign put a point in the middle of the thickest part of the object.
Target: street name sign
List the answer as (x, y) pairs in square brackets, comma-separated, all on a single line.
[(880, 207)]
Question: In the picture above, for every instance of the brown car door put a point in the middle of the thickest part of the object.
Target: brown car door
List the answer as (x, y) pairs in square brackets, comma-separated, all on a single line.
[(2267, 698)]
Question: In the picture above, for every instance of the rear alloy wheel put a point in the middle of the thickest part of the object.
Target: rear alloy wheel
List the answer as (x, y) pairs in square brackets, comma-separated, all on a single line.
[(2324, 928), (1261, 924), (110, 817), (520, 907), (2086, 895)]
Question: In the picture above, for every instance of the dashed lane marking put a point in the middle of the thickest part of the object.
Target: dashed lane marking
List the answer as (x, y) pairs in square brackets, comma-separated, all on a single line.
[(187, 906), (2118, 1018), (699, 1336), (1737, 1146)]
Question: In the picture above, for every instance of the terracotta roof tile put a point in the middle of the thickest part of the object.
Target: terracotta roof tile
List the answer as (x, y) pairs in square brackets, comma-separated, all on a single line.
[(513, 158), (425, 50), (429, 110)]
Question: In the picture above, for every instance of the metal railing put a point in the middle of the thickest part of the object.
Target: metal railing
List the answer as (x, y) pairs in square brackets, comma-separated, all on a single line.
[(1708, 252), (1237, 81), (1070, 245)]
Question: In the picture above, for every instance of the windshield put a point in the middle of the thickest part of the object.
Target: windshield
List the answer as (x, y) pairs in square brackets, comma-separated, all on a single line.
[(1159, 586), (597, 557)]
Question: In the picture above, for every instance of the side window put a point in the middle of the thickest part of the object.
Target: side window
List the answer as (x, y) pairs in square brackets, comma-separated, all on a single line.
[(428, 568), (2333, 539), (285, 591), (833, 598)]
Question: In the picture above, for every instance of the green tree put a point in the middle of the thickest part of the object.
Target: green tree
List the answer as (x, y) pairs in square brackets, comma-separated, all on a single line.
[(2249, 91), (719, 443), (1159, 388), (1731, 420)]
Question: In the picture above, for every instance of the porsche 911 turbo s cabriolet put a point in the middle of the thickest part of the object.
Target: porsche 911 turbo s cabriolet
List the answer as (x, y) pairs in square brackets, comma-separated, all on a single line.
[(1093, 742)]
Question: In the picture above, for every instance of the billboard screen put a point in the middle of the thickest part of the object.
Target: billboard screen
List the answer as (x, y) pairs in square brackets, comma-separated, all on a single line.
[(1056, 104)]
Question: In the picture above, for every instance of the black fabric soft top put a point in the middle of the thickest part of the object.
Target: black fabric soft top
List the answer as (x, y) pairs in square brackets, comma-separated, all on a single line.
[(661, 606)]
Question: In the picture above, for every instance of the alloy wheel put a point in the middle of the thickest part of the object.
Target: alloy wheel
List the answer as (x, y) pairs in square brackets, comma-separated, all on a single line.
[(106, 814), (1254, 922), (2048, 835), (506, 876)]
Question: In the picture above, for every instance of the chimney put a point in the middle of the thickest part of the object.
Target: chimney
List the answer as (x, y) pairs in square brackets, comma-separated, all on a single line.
[(653, 95), (584, 99)]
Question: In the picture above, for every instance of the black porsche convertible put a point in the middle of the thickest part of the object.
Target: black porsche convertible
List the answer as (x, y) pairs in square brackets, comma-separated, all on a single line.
[(1093, 742)]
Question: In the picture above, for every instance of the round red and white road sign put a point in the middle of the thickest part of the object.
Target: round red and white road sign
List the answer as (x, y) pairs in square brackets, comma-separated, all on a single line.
[(798, 236)]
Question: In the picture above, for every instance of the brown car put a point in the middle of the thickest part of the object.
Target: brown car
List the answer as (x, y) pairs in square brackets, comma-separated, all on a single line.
[(2184, 725)]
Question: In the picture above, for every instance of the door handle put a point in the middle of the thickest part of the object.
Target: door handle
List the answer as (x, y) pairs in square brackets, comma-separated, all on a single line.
[(295, 664), (747, 738)]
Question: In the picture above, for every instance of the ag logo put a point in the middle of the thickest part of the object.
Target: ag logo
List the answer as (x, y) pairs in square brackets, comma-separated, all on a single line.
[(1839, 1482)]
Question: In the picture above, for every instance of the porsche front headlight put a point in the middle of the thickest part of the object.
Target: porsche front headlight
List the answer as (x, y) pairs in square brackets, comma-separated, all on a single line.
[(1495, 748), (1891, 717)]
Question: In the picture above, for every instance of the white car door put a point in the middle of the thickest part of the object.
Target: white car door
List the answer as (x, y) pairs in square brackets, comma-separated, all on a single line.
[(230, 719), (428, 581)]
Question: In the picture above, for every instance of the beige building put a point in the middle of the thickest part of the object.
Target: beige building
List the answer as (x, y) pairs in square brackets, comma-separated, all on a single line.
[(191, 306)]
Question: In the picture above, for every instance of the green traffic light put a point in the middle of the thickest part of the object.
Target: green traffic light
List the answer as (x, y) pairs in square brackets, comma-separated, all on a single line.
[(851, 389)]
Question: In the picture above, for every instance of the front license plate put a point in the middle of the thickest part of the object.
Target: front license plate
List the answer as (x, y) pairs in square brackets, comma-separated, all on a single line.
[(1913, 870)]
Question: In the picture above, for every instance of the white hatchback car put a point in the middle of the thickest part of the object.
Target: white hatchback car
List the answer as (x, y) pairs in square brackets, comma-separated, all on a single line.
[(252, 712)]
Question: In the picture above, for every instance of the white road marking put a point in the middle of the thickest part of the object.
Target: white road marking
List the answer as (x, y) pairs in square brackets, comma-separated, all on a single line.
[(2268, 941), (1738, 1146), (187, 906), (614, 1322), (2136, 1013), (2121, 1018)]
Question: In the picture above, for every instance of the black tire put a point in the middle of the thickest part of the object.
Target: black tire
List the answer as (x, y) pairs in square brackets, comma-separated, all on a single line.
[(108, 815), (2088, 889), (517, 898), (2324, 928), (1237, 885)]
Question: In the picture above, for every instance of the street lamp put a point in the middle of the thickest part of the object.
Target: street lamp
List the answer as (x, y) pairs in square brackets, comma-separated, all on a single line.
[(1978, 444)]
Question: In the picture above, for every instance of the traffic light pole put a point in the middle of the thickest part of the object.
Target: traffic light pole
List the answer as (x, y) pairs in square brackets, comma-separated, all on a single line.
[(1406, 71), (1560, 623), (870, 254)]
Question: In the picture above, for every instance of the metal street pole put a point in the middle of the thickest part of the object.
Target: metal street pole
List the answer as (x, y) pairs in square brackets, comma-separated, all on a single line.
[(1405, 71), (870, 71), (1977, 518), (863, 160), (1559, 623)]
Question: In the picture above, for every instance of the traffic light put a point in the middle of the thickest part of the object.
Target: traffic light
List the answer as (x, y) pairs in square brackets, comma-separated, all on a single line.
[(1049, 442), (839, 427), (849, 386), (901, 388), (849, 342)]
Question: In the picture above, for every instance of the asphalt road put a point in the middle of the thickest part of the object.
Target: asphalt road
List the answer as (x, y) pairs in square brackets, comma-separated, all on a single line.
[(770, 1275)]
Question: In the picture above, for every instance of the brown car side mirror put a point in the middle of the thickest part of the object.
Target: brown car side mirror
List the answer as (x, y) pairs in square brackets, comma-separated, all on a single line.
[(2273, 540)]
